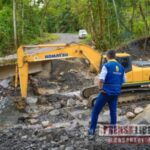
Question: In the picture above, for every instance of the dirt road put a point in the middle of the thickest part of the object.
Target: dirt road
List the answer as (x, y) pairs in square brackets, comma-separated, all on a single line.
[(66, 38)]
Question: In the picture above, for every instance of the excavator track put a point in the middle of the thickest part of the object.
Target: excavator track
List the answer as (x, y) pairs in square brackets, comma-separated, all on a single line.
[(128, 95)]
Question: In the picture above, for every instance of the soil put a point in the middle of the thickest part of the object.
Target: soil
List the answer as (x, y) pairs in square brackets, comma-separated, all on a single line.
[(139, 49)]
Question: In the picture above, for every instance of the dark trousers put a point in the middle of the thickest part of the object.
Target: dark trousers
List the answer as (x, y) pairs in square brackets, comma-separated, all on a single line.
[(101, 100)]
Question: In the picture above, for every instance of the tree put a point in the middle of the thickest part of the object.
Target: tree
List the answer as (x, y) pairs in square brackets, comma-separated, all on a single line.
[(109, 23), (14, 24)]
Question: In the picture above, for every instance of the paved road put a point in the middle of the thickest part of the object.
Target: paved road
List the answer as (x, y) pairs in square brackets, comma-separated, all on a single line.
[(67, 38)]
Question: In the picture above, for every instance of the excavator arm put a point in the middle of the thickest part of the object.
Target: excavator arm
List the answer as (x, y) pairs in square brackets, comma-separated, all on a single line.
[(53, 51)]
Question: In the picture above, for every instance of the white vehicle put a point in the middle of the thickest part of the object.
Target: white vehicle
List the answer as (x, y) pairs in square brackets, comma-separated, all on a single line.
[(82, 34)]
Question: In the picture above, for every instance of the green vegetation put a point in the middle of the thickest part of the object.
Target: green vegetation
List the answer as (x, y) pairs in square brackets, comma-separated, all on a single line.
[(109, 22), (45, 37), (87, 40)]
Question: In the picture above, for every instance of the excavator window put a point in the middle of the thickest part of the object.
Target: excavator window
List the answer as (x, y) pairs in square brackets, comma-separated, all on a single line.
[(125, 61)]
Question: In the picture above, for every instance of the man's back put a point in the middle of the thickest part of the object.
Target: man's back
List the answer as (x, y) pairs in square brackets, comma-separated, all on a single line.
[(114, 78)]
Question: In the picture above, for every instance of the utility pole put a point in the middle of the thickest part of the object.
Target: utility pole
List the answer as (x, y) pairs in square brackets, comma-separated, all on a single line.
[(14, 24)]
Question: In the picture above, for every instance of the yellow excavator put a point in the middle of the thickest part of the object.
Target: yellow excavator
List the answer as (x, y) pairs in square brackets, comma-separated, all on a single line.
[(137, 73)]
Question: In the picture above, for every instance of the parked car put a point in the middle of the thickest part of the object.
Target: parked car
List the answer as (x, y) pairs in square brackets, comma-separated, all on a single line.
[(82, 34)]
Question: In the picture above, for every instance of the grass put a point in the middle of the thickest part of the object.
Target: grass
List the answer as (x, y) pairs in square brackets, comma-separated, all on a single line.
[(45, 38), (87, 40)]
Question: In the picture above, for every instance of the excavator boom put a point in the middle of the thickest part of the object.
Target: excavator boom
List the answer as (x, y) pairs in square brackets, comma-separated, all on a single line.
[(53, 51)]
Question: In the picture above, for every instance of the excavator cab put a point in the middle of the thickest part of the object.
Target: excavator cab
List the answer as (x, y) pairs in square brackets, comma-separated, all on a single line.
[(136, 75), (122, 58), (126, 62)]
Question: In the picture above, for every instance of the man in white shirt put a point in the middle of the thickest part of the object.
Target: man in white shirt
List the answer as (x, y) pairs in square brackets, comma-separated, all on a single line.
[(111, 79)]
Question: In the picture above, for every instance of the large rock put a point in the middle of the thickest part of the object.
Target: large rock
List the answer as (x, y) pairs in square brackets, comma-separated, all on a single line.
[(71, 102), (5, 83), (4, 102), (45, 123), (33, 121), (138, 110), (143, 118), (54, 112), (69, 148), (46, 91), (64, 138), (57, 105), (42, 100), (31, 100), (79, 103), (31, 109), (130, 115), (85, 102), (62, 147), (62, 73), (55, 148), (133, 106), (73, 71)]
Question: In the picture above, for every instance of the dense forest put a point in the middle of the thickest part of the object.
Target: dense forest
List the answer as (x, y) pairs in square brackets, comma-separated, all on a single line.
[(108, 22)]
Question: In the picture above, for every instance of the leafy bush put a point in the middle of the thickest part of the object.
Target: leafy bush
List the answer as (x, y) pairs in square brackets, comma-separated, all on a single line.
[(6, 31)]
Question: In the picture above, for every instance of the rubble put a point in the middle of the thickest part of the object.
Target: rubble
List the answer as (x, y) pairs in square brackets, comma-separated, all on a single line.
[(31, 109), (31, 100), (5, 83), (54, 112), (69, 148), (143, 118), (79, 103), (33, 121), (123, 120), (4, 101), (58, 138), (42, 100), (107, 112), (56, 117), (71, 102)]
